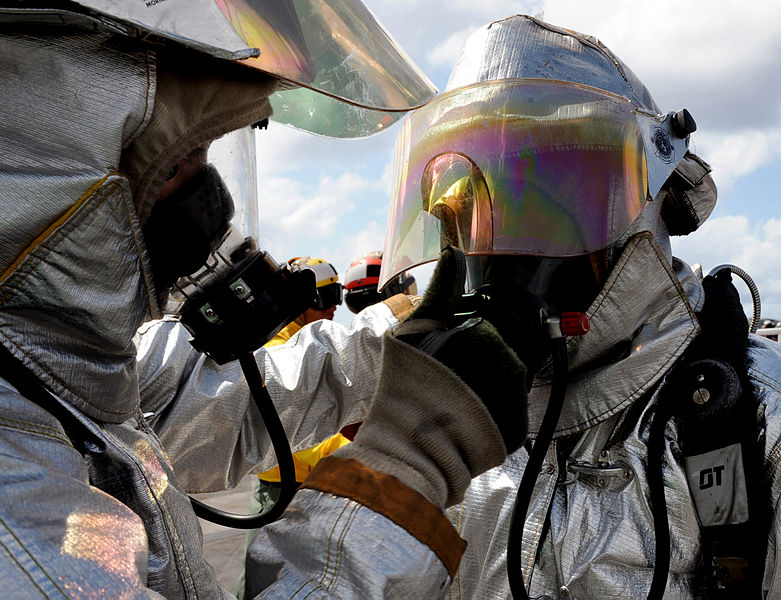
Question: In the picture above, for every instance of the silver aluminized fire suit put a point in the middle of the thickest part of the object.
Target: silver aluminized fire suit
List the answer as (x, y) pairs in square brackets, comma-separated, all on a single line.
[(89, 504), (593, 534)]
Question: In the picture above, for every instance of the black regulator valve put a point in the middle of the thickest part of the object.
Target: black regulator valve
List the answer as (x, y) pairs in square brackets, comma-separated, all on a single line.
[(242, 301)]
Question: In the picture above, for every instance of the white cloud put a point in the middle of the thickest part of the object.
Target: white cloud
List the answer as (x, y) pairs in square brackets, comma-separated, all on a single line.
[(295, 214), (446, 52), (371, 237), (754, 247), (738, 154)]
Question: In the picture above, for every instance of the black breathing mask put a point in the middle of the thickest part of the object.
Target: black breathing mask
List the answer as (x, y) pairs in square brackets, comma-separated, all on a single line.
[(231, 297)]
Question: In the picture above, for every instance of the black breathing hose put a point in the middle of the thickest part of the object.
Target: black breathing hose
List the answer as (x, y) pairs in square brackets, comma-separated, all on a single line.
[(533, 466), (752, 287), (281, 448), (656, 448)]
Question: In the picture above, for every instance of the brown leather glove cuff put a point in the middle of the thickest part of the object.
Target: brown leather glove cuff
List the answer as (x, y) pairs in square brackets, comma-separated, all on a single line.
[(386, 495)]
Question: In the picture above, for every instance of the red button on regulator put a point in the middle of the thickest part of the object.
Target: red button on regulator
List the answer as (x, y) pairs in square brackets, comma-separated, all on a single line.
[(574, 323)]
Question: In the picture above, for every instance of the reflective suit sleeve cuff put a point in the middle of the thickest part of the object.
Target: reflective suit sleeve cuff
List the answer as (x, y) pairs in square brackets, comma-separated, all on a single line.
[(386, 495)]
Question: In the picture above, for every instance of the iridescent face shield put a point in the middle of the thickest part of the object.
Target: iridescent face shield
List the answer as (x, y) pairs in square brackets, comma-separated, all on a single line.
[(343, 74), (523, 167), (336, 48)]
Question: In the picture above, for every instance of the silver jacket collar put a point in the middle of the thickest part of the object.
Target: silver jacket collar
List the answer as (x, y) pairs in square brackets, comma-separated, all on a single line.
[(75, 282), (637, 332), (72, 289)]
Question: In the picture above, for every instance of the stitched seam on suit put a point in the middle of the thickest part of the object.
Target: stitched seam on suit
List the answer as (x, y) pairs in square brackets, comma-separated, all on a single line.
[(326, 568), (49, 232), (32, 558), (21, 568), (458, 528), (41, 430), (303, 585), (765, 378), (56, 234), (148, 58), (530, 563), (340, 546), (319, 584), (44, 428), (165, 513), (151, 303)]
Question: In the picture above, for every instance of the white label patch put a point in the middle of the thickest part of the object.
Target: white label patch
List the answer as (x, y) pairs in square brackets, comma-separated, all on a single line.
[(718, 486)]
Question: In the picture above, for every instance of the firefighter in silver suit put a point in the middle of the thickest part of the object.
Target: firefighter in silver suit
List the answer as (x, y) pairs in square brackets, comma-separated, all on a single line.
[(548, 163), (109, 198)]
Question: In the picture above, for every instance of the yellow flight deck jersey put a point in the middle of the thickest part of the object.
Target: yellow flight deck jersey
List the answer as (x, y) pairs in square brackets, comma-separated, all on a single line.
[(304, 460)]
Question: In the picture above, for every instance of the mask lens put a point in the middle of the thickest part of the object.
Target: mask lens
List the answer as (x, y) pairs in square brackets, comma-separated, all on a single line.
[(526, 167), (233, 156), (328, 296)]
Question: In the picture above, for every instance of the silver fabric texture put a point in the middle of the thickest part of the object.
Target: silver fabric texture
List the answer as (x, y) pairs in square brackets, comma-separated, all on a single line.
[(364, 555), (432, 446), (62, 295), (97, 511), (640, 311), (595, 538), (103, 519)]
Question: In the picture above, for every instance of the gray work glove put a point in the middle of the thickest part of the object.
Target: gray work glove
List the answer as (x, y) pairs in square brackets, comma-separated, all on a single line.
[(449, 405)]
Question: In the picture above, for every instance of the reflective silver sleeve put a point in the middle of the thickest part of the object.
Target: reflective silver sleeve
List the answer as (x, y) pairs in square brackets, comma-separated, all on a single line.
[(320, 380), (333, 547)]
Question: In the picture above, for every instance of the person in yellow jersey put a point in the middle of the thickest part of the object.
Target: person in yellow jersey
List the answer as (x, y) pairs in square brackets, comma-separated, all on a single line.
[(328, 296)]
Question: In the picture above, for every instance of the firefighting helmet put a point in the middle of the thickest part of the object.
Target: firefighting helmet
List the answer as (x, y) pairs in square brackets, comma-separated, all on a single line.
[(545, 144), (363, 275), (342, 73), (328, 290)]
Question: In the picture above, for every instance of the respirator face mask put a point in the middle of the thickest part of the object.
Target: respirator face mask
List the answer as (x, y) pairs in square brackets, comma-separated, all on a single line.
[(201, 239)]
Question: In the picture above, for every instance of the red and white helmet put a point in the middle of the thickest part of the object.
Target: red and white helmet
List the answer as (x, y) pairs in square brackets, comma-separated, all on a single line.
[(363, 277)]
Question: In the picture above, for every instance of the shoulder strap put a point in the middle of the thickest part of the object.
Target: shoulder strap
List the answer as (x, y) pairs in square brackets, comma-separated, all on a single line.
[(28, 385)]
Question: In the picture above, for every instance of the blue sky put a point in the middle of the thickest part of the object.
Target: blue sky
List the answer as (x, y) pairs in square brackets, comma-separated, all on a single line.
[(720, 59)]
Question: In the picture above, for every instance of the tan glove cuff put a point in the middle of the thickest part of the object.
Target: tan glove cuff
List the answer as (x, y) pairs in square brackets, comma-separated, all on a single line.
[(402, 305), (426, 427)]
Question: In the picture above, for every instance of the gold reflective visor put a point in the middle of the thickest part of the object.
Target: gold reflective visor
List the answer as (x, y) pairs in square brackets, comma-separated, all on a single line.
[(527, 167)]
